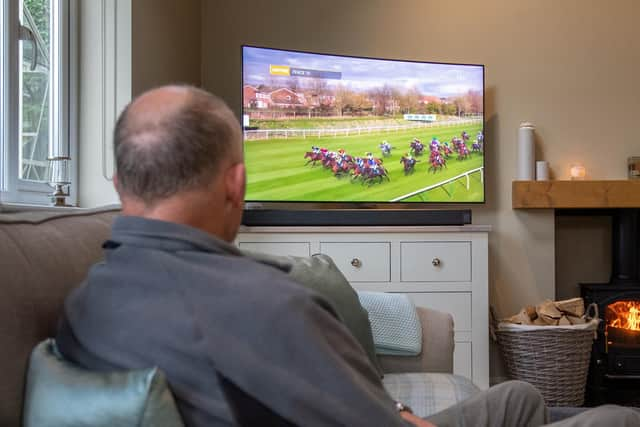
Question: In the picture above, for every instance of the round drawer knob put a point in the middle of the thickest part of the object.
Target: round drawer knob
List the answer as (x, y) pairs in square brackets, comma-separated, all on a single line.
[(435, 262), (356, 263)]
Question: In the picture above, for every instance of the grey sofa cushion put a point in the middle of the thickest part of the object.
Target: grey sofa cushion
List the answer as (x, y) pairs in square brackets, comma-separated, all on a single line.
[(60, 394), (428, 393)]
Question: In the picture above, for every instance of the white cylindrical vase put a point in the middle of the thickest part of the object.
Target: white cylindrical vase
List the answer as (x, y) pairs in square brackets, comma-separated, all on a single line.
[(526, 153), (542, 170)]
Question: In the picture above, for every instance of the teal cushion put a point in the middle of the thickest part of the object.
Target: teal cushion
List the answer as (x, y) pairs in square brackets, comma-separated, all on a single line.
[(395, 325), (319, 273), (60, 394)]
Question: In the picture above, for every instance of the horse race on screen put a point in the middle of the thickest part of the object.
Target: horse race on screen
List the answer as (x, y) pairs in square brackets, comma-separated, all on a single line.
[(324, 128)]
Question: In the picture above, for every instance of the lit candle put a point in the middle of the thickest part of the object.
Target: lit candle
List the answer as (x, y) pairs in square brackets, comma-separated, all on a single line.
[(577, 172)]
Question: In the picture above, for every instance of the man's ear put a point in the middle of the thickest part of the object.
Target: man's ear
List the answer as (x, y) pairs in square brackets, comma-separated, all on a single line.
[(235, 181)]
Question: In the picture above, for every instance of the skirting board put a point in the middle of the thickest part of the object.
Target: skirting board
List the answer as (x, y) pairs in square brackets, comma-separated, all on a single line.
[(337, 217)]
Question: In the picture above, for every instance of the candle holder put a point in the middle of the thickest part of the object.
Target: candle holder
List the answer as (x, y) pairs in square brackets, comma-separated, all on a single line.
[(60, 179), (577, 172)]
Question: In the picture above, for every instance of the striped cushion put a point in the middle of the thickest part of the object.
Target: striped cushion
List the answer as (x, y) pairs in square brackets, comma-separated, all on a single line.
[(428, 393)]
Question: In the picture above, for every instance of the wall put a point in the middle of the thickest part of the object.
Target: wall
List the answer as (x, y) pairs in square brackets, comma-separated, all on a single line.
[(570, 67), (165, 43)]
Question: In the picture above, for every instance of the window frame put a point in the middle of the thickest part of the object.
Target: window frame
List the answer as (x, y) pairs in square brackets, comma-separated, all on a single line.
[(62, 102)]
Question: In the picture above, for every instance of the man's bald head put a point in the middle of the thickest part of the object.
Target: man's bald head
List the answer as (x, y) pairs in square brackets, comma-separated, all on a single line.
[(173, 139)]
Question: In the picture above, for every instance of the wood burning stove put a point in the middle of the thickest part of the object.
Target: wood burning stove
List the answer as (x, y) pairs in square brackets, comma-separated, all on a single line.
[(614, 373)]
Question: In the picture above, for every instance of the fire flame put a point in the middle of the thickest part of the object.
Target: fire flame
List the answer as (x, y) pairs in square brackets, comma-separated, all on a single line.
[(624, 315)]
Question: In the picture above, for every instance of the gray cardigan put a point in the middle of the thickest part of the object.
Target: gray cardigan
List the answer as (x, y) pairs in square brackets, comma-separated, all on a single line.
[(172, 296)]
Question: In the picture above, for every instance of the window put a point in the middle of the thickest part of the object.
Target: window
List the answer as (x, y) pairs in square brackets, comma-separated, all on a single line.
[(36, 95)]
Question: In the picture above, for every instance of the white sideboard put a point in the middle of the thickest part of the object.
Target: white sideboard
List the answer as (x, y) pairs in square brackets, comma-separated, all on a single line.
[(444, 268)]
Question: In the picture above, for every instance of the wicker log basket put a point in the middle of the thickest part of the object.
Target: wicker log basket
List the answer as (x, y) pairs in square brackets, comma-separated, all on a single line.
[(554, 359)]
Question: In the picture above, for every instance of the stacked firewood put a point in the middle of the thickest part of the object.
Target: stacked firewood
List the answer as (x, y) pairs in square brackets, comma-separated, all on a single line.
[(551, 313)]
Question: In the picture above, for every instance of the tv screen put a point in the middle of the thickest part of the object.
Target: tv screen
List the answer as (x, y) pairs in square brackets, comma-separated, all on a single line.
[(344, 129)]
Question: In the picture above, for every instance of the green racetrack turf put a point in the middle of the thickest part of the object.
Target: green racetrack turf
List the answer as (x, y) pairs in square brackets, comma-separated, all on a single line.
[(276, 169)]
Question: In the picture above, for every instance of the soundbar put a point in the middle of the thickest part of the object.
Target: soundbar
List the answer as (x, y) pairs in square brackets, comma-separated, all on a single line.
[(353, 217)]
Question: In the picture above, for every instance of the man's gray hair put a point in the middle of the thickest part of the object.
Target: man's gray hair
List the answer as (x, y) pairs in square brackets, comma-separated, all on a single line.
[(180, 151)]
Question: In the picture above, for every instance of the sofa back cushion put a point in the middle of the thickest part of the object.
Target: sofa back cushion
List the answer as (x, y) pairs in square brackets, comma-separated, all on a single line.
[(43, 255)]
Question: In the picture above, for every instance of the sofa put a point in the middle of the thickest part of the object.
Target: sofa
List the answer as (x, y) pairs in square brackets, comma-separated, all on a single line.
[(46, 252)]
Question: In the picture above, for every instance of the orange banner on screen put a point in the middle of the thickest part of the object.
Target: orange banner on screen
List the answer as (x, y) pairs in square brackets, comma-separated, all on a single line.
[(279, 70)]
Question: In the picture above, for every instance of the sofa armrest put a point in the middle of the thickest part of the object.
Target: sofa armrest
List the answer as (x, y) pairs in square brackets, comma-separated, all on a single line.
[(437, 346)]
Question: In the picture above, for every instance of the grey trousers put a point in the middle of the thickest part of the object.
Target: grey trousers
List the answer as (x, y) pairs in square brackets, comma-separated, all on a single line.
[(519, 404)]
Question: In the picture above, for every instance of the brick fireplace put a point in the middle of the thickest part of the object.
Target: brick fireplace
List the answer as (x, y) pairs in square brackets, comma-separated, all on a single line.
[(614, 372)]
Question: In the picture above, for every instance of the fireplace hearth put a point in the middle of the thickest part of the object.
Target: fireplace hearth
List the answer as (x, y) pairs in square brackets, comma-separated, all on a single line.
[(614, 372)]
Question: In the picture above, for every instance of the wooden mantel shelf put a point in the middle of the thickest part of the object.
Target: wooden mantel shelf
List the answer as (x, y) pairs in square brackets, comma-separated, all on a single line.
[(575, 194)]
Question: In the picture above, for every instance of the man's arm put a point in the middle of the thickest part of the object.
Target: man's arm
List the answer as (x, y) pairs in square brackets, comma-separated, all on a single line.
[(301, 362)]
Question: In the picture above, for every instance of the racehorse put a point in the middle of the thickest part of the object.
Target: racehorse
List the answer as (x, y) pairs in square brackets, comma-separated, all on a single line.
[(342, 166), (476, 147), (313, 157), (463, 152), (328, 160), (437, 162), (385, 149), (447, 151), (408, 164), (416, 147), (370, 174)]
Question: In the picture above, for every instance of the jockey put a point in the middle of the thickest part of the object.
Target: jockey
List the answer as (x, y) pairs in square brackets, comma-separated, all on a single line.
[(315, 149), (480, 137), (371, 161)]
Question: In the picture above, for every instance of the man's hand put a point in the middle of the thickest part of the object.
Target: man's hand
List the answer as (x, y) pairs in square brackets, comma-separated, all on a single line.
[(416, 421)]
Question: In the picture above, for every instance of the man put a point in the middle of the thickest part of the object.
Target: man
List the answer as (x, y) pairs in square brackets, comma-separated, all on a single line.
[(174, 293)]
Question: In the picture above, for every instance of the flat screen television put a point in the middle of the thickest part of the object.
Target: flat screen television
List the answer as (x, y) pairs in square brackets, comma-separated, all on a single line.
[(326, 130)]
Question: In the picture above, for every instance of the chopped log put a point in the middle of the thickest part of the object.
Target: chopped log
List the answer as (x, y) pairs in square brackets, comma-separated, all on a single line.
[(549, 313), (522, 318), (576, 320), (573, 306), (539, 322), (564, 321), (549, 321)]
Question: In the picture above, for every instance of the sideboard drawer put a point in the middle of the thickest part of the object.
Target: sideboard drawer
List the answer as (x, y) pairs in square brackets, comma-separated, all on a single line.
[(361, 262), (278, 248), (435, 261), (458, 304)]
